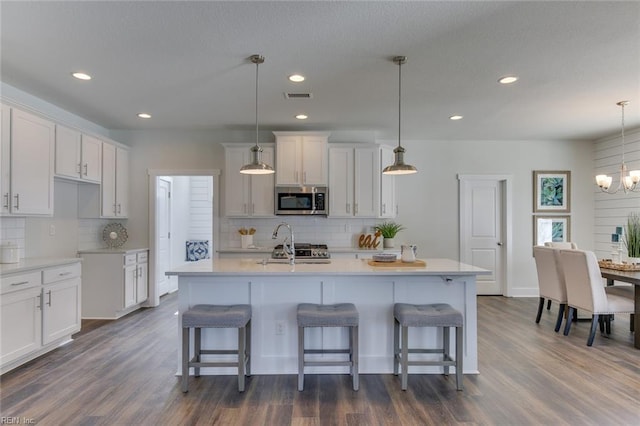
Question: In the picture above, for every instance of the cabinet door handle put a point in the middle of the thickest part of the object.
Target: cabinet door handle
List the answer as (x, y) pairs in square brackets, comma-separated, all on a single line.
[(119, 208), (64, 274), (384, 208), (114, 209), (355, 208), (304, 177), (39, 301), (20, 283), (17, 197), (49, 292), (6, 200), (79, 168), (348, 208), (86, 169)]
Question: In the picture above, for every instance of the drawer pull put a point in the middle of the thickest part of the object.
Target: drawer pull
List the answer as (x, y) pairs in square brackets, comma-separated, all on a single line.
[(64, 274), (21, 283), (49, 292)]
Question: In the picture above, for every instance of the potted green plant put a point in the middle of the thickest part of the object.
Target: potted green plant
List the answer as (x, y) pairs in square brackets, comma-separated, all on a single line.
[(388, 230), (632, 237)]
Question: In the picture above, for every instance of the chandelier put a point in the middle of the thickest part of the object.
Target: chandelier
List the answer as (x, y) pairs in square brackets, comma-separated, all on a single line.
[(628, 179), (256, 167), (399, 167)]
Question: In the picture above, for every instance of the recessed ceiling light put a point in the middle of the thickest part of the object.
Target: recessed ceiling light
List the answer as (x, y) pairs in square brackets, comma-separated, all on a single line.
[(302, 116), (81, 75), (455, 117), (144, 115), (296, 78), (508, 79)]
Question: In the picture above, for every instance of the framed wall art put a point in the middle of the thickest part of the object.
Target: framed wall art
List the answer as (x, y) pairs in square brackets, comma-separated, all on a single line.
[(551, 191), (551, 228)]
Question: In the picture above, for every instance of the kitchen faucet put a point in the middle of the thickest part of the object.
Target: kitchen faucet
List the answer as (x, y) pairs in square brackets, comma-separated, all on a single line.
[(289, 249)]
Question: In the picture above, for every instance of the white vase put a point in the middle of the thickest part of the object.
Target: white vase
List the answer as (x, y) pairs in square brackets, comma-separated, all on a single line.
[(246, 241), (388, 243)]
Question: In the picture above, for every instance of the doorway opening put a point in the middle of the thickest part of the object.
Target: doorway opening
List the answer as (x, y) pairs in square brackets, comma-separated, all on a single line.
[(183, 223)]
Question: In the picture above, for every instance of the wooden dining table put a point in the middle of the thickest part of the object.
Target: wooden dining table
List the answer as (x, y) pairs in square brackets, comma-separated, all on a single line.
[(632, 277)]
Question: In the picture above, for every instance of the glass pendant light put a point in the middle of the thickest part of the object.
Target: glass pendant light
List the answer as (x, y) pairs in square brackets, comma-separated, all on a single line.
[(399, 167), (256, 166), (628, 179)]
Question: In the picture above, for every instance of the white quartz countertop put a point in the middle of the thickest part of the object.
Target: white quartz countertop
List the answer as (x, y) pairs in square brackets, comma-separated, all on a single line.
[(234, 267), (120, 250), (331, 250), (28, 264)]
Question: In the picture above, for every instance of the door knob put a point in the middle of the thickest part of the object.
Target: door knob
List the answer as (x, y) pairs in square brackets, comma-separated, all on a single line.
[(500, 244)]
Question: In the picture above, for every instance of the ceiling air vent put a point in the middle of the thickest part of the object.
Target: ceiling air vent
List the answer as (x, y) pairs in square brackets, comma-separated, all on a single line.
[(298, 95)]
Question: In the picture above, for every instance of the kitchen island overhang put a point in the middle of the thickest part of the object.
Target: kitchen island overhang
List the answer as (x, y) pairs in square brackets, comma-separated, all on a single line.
[(275, 290)]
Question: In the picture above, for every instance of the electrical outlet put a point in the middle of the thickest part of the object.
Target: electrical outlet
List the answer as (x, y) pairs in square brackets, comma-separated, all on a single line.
[(52, 230), (280, 327)]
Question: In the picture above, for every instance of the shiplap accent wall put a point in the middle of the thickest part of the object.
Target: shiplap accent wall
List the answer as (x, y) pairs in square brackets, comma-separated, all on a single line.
[(201, 208), (612, 210)]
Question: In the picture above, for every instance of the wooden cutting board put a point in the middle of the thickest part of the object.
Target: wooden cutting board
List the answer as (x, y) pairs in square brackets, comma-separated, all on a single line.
[(398, 264)]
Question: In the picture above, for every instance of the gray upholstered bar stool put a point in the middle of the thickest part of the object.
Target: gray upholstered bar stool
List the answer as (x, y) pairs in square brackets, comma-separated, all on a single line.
[(216, 316), (339, 315), (434, 315)]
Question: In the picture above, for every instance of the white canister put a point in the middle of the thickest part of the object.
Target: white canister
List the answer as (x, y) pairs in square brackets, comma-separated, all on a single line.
[(9, 254)]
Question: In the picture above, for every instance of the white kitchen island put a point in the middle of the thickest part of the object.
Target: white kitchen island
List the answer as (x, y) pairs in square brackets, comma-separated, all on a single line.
[(274, 291)]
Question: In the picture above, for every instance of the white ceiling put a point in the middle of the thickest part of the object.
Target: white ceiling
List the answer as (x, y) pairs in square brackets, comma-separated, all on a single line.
[(187, 64)]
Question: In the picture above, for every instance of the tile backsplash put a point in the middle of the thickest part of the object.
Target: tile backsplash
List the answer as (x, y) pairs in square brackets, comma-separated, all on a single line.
[(334, 232), (12, 231)]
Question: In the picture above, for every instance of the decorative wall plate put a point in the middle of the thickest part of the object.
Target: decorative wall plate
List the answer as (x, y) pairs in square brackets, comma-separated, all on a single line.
[(115, 235)]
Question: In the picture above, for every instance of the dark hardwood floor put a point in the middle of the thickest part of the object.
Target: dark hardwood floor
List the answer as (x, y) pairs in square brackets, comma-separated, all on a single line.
[(123, 373)]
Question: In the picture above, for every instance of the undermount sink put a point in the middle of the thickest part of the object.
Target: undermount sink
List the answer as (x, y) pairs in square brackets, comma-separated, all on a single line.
[(298, 261)]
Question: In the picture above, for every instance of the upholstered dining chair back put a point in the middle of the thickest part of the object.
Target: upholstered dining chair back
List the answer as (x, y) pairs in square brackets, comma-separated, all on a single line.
[(584, 281), (561, 245), (550, 275)]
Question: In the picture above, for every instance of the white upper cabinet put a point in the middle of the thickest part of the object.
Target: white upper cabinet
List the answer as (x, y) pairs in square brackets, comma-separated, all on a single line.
[(388, 206), (110, 198), (341, 182), (354, 181), (27, 161), (78, 156), (5, 159), (115, 181), (301, 158), (247, 195)]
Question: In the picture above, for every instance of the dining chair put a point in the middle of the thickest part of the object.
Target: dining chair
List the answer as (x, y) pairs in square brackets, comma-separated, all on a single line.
[(560, 245), (550, 281), (585, 290)]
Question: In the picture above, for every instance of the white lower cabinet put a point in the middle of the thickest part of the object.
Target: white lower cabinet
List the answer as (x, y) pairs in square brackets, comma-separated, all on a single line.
[(61, 298), (40, 310), (116, 282)]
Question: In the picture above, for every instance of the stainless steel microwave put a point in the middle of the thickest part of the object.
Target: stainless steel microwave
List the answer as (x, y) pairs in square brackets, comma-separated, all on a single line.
[(301, 200)]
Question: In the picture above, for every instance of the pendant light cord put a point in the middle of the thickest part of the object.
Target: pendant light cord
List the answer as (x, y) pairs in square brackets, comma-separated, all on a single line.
[(399, 98), (257, 68), (622, 104)]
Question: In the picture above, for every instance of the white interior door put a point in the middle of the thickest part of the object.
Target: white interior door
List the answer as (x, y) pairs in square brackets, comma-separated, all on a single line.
[(163, 234), (482, 208)]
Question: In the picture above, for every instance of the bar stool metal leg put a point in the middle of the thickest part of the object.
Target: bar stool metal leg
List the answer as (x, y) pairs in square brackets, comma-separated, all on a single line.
[(405, 357), (241, 358), (197, 348), (445, 348), (185, 359), (354, 361), (300, 358), (396, 346), (459, 357)]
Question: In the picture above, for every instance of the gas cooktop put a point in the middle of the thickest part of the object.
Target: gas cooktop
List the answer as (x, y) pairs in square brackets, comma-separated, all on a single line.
[(303, 251)]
